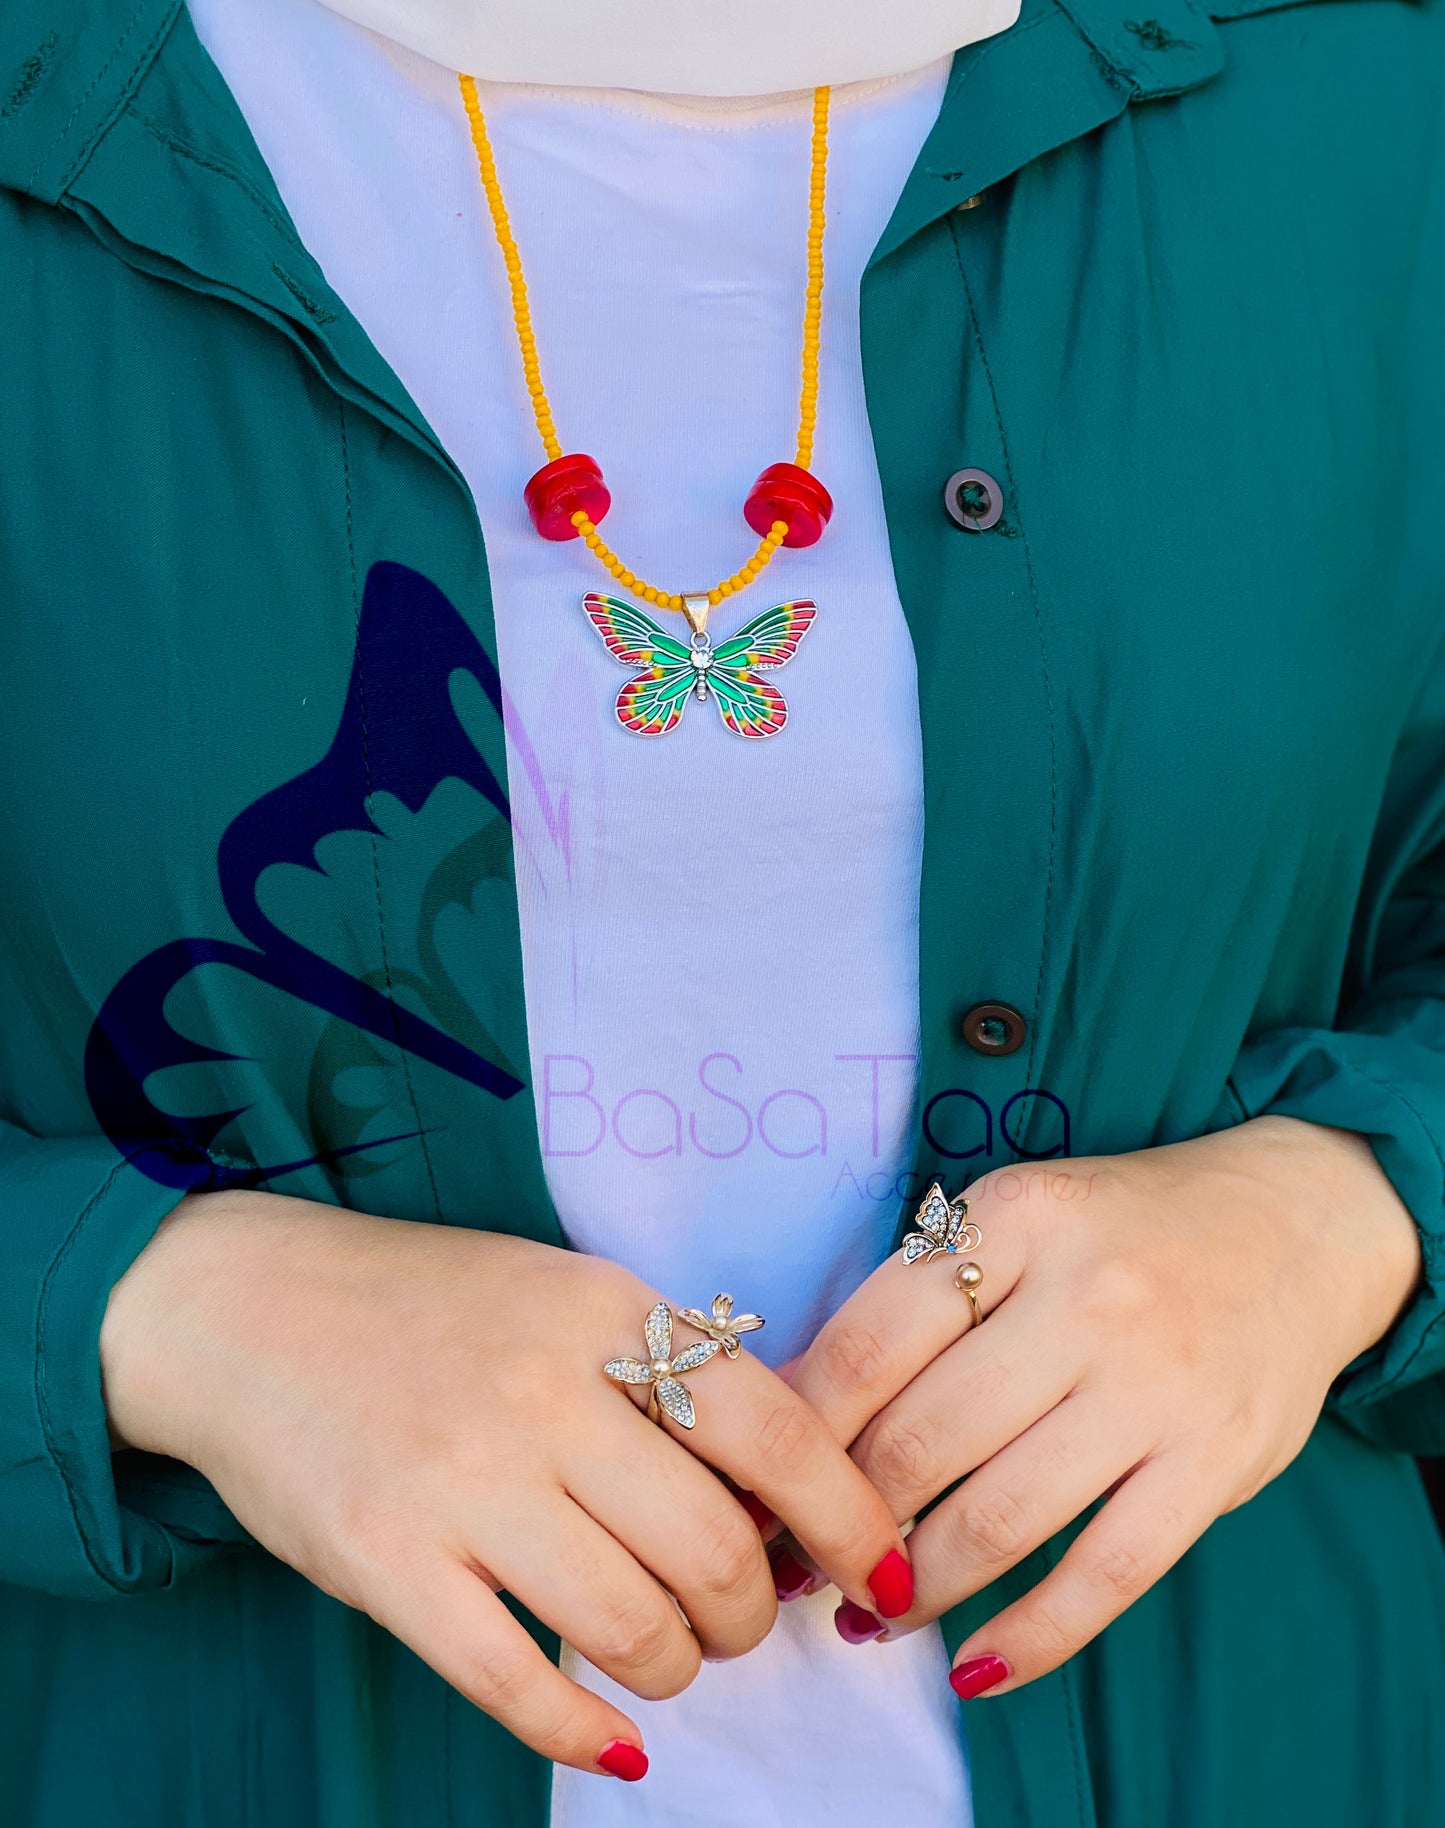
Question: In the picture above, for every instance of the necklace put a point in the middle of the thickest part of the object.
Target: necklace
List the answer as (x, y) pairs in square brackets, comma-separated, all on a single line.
[(787, 506)]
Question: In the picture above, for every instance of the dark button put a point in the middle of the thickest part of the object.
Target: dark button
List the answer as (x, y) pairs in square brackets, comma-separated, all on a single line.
[(994, 1028), (973, 499)]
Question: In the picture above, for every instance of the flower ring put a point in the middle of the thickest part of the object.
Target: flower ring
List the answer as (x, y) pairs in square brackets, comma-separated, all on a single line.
[(661, 1371)]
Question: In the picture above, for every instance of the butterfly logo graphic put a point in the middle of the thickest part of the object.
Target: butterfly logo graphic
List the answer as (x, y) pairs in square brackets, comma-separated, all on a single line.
[(674, 671), (945, 1229)]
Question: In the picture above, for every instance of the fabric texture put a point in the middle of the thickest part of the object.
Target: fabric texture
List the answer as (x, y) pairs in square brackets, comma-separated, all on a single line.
[(1182, 762)]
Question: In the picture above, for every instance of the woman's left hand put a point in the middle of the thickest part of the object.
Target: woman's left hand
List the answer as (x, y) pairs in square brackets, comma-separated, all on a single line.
[(1161, 1327)]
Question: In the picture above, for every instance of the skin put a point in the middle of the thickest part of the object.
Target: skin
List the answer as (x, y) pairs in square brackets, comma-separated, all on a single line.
[(415, 1417), (1162, 1327)]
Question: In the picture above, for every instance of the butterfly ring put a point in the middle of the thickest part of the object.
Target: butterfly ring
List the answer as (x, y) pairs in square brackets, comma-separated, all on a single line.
[(945, 1230)]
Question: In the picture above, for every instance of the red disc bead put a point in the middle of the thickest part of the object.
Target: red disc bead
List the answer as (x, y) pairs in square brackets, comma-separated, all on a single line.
[(560, 488), (785, 492)]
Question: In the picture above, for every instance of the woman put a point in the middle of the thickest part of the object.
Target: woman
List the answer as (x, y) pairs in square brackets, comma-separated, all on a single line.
[(1099, 868)]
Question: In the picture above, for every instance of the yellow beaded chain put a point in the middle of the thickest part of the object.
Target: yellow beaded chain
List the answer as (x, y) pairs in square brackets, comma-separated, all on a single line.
[(531, 369)]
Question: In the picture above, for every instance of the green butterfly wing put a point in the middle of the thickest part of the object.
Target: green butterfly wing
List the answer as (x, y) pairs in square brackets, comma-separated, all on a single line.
[(652, 704), (749, 705)]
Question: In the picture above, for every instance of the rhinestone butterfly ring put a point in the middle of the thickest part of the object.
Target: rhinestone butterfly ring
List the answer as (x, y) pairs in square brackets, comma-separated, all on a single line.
[(945, 1230), (663, 1374)]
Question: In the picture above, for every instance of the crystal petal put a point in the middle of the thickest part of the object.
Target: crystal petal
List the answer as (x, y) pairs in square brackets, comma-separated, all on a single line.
[(697, 1355), (628, 1371), (675, 1400), (657, 1329)]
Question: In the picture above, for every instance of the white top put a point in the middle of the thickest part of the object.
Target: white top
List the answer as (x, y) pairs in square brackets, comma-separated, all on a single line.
[(719, 934)]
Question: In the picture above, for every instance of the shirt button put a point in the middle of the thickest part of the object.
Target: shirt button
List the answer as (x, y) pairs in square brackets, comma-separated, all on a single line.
[(994, 1028), (973, 499), (970, 202)]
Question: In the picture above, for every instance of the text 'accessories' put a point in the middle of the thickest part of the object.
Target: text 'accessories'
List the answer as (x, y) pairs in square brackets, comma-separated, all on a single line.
[(788, 506), (663, 1373), (945, 1230)]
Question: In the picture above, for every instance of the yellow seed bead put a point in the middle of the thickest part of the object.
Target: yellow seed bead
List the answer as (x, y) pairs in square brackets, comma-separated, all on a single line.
[(531, 367)]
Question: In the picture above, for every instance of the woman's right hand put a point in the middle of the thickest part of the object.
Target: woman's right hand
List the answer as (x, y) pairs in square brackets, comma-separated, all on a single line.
[(415, 1417)]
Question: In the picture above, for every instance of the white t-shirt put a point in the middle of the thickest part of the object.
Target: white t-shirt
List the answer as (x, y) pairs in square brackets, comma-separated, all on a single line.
[(719, 935)]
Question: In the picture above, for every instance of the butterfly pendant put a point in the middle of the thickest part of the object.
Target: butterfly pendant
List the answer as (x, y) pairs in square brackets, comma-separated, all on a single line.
[(945, 1229), (674, 671)]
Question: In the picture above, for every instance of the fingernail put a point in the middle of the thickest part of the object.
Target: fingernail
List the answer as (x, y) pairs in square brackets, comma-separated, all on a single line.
[(891, 1584), (791, 1580), (620, 1759), (856, 1625), (977, 1675), (756, 1509)]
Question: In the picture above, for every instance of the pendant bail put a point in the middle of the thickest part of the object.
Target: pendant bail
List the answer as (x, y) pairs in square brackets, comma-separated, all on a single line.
[(695, 608)]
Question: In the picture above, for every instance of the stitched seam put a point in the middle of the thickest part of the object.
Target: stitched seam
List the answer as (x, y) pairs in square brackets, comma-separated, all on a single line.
[(405, 1058), (222, 169), (141, 62), (1012, 488), (308, 304), (42, 1400), (76, 112)]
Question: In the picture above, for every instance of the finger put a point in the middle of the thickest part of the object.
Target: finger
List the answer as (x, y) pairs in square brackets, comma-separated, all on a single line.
[(966, 1406), (753, 1427), (448, 1615), (583, 1583), (1156, 1514), (680, 1522), (1037, 1486), (901, 1318)]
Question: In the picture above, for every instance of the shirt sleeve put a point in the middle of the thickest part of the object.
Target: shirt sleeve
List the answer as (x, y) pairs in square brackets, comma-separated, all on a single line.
[(1380, 1071), (76, 1519)]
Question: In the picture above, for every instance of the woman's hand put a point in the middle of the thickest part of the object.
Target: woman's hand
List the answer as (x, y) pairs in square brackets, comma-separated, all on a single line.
[(416, 1417), (1160, 1327)]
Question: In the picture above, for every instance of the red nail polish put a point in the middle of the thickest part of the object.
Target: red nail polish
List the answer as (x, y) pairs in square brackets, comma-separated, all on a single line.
[(977, 1676), (891, 1584), (756, 1509), (791, 1580), (855, 1625), (619, 1759)]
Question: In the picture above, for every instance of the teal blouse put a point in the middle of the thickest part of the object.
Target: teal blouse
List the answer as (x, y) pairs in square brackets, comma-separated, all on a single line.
[(1183, 712)]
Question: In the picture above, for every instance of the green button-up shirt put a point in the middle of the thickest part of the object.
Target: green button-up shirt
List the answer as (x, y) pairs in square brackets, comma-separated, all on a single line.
[(1183, 713)]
